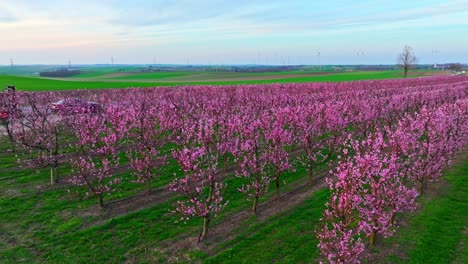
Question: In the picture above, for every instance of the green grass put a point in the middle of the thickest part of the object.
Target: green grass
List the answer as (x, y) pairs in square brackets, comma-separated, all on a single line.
[(42, 84), (202, 76), (286, 238), (242, 77)]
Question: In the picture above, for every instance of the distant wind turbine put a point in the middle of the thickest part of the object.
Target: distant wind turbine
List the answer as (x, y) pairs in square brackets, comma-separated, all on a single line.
[(319, 63)]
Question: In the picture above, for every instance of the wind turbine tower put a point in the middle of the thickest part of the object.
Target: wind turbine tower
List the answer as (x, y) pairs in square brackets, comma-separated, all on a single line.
[(434, 54), (319, 63)]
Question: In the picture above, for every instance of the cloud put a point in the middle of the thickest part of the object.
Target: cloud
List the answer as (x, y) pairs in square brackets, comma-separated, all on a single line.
[(453, 7), (167, 13), (165, 17), (360, 17)]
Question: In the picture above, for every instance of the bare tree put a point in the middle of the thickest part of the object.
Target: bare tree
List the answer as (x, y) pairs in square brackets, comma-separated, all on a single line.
[(406, 60)]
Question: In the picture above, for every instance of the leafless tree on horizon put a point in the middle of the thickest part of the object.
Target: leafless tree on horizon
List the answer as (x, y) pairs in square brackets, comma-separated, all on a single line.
[(406, 60)]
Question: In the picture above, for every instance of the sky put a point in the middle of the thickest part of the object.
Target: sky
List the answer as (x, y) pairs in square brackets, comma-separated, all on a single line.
[(231, 32)]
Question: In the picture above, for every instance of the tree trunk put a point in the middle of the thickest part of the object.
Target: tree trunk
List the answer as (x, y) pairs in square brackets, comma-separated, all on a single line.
[(204, 233), (422, 187), (278, 187), (12, 141), (148, 187), (254, 206), (53, 174), (372, 238), (6, 125), (101, 201), (312, 177)]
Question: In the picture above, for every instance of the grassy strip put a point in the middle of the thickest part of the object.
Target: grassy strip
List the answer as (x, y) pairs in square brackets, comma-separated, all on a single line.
[(286, 238)]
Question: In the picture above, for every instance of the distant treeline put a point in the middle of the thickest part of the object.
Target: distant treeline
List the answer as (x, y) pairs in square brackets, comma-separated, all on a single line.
[(59, 73), (260, 68)]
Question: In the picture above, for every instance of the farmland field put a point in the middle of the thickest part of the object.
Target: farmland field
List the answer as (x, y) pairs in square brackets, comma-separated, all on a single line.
[(108, 78), (252, 173)]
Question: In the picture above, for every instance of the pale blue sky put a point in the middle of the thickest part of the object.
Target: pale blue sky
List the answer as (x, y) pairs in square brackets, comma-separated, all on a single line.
[(231, 32)]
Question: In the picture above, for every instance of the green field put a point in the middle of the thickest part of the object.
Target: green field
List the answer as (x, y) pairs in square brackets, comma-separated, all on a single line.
[(149, 75), (98, 79)]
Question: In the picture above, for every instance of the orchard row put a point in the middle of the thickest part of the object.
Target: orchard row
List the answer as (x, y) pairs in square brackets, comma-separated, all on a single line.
[(381, 175)]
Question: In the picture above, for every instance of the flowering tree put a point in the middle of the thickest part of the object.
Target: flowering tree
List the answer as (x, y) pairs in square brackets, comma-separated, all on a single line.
[(149, 135), (199, 161), (339, 237), (425, 143), (200, 186), (99, 137), (277, 138), (249, 151), (381, 191), (39, 131), (96, 176), (366, 194)]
